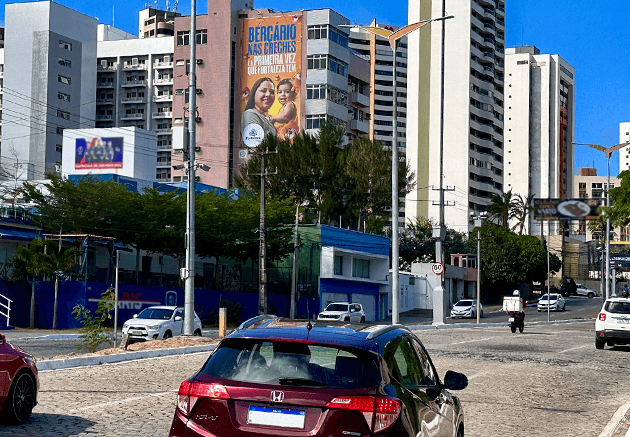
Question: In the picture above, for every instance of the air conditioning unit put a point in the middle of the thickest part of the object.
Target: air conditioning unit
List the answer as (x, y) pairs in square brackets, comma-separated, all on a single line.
[(198, 119), (197, 149), (199, 91), (134, 61), (179, 92), (199, 61), (57, 168), (167, 59), (197, 178), (104, 63)]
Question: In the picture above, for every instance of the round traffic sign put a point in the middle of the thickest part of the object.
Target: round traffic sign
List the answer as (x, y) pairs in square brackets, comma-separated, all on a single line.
[(437, 268)]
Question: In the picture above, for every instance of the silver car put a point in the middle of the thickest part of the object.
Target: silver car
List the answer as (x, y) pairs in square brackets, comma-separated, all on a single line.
[(585, 291), (466, 308), (158, 323)]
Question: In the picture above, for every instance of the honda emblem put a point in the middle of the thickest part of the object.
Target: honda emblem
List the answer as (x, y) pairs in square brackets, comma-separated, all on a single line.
[(277, 396)]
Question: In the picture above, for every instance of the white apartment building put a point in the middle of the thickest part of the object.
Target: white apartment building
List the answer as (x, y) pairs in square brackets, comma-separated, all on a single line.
[(539, 126), (135, 89), (471, 102), (49, 84), (624, 154)]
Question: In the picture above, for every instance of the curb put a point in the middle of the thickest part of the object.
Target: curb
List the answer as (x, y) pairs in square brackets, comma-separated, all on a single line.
[(67, 363)]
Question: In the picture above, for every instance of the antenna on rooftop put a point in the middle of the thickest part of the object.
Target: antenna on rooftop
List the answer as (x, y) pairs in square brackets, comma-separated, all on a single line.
[(175, 6)]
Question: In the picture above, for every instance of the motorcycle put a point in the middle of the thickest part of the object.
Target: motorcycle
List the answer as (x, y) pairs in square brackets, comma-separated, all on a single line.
[(516, 320)]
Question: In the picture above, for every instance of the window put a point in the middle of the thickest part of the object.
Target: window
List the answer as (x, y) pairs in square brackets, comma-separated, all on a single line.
[(59, 130), (63, 114), (183, 38), (315, 121), (63, 79), (63, 96), (316, 92), (338, 37), (338, 265), (318, 32), (58, 148), (65, 45), (316, 62), (201, 36), (403, 364), (65, 62), (361, 268)]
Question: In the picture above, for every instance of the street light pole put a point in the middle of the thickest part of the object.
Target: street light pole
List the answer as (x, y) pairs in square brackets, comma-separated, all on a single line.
[(478, 275)]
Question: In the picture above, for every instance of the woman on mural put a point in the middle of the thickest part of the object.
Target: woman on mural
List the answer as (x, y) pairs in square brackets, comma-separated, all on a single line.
[(285, 119), (261, 98)]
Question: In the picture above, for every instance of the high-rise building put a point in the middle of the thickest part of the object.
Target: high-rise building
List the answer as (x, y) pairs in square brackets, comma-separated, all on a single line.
[(49, 84), (157, 23), (624, 154), (455, 102), (539, 126)]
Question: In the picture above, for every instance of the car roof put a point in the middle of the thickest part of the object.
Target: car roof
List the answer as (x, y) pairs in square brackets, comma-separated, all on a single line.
[(333, 333), (339, 303), (162, 307)]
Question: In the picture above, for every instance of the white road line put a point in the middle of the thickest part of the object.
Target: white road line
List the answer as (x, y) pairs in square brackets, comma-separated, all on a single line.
[(124, 401), (477, 375), (574, 348), (616, 419), (470, 341)]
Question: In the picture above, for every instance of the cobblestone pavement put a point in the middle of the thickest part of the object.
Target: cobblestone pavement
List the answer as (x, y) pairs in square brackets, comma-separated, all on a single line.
[(548, 381)]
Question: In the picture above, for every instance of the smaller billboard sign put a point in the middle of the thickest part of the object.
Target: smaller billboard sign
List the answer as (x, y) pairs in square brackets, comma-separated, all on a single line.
[(566, 209), (99, 152)]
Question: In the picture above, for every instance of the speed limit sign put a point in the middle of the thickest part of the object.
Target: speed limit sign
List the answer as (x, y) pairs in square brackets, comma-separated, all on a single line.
[(437, 268)]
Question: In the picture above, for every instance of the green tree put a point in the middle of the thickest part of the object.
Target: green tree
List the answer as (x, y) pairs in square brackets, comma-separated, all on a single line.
[(501, 208), (521, 208)]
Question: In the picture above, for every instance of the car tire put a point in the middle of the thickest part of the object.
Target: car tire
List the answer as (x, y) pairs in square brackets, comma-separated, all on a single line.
[(21, 399), (538, 310), (197, 333), (362, 319), (599, 344), (347, 319), (590, 295), (167, 335)]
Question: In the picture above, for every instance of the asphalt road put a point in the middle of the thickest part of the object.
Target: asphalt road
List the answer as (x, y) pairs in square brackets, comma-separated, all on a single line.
[(548, 381)]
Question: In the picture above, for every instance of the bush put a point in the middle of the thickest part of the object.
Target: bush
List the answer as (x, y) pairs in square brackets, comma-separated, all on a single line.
[(93, 328)]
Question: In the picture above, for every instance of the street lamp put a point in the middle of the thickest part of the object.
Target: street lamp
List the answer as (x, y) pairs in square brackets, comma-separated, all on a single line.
[(608, 151), (478, 222), (394, 37)]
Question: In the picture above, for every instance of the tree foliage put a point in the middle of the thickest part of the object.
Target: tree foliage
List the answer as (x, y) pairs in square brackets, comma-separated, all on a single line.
[(93, 326)]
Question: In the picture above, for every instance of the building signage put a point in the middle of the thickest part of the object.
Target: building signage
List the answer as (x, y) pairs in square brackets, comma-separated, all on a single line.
[(271, 87), (99, 152), (566, 209)]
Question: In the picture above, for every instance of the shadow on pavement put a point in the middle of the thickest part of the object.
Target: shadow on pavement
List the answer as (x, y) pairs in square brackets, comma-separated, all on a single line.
[(48, 425)]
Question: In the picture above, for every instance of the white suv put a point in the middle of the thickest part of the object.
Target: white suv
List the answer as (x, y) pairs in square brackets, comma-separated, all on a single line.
[(612, 326), (158, 322), (344, 311)]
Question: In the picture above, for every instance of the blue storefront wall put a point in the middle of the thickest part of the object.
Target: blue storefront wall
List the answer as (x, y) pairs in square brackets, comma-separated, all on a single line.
[(353, 240), (348, 287), (132, 299)]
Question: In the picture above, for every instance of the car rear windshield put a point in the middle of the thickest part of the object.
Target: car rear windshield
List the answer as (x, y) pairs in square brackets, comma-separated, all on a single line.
[(464, 303), (617, 307), (155, 313), (290, 363), (337, 307)]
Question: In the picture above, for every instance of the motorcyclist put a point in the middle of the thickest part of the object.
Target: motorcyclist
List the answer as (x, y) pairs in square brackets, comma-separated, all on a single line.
[(519, 317), (626, 292)]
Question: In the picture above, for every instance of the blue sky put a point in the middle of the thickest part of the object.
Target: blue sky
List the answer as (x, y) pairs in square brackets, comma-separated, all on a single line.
[(590, 35)]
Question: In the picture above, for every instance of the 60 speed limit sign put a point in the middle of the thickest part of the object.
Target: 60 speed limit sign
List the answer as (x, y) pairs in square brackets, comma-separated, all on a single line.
[(437, 268)]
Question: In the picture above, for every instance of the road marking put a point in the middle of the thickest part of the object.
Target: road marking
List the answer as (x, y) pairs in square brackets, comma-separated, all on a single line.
[(574, 348), (477, 375), (124, 401), (616, 419), (470, 341)]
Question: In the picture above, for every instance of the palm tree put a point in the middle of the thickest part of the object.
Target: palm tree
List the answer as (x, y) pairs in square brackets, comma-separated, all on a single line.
[(501, 208), (522, 206)]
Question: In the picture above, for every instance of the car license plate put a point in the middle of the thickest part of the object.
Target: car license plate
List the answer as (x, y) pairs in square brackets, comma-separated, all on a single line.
[(511, 319), (135, 332), (623, 320), (282, 417)]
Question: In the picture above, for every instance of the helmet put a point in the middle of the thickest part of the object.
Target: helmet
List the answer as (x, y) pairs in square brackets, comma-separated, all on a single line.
[(516, 293)]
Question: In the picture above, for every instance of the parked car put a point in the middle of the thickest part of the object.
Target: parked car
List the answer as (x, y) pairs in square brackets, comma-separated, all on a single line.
[(158, 323), (19, 383), (555, 302), (466, 308), (585, 291), (612, 326), (286, 377), (568, 287), (344, 311)]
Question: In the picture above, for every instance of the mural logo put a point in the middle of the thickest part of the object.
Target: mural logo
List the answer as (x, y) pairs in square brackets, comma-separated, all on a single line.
[(99, 153)]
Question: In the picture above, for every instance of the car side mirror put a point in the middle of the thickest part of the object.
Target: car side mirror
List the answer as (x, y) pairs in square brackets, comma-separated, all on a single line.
[(455, 380), (3, 339), (178, 318), (135, 316)]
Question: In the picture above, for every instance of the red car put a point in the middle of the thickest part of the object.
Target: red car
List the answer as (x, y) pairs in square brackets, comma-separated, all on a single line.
[(18, 383), (281, 377)]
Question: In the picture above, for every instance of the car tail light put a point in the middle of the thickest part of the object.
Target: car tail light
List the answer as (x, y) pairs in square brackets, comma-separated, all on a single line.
[(602, 317), (384, 411), (190, 392)]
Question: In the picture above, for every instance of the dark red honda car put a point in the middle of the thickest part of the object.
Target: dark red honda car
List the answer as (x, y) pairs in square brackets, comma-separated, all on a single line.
[(281, 377), (18, 383)]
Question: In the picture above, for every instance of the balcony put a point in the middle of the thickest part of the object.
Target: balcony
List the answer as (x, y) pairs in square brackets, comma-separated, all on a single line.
[(166, 164), (104, 117), (166, 131), (134, 83), (101, 67), (162, 114), (133, 116), (105, 101), (163, 81), (105, 84), (163, 98), (360, 126), (164, 147), (131, 67), (359, 99), (133, 100), (1, 74), (157, 65)]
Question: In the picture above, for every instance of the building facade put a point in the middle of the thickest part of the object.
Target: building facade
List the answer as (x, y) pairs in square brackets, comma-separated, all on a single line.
[(539, 126), (624, 154), (468, 60)]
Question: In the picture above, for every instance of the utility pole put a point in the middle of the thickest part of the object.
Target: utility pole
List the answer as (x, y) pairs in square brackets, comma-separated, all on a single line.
[(116, 299), (296, 265), (189, 288)]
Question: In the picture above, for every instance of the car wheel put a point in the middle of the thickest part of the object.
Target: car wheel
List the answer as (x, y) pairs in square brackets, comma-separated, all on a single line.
[(347, 319), (599, 344), (167, 335), (590, 295), (197, 333), (21, 400), (362, 319), (538, 310)]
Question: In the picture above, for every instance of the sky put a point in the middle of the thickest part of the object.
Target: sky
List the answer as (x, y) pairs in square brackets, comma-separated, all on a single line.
[(590, 35)]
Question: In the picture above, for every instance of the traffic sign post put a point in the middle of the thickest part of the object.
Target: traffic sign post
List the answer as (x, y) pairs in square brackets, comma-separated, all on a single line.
[(437, 268)]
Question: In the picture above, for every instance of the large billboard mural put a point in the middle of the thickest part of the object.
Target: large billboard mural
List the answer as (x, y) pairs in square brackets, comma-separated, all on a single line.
[(271, 76), (99, 152)]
